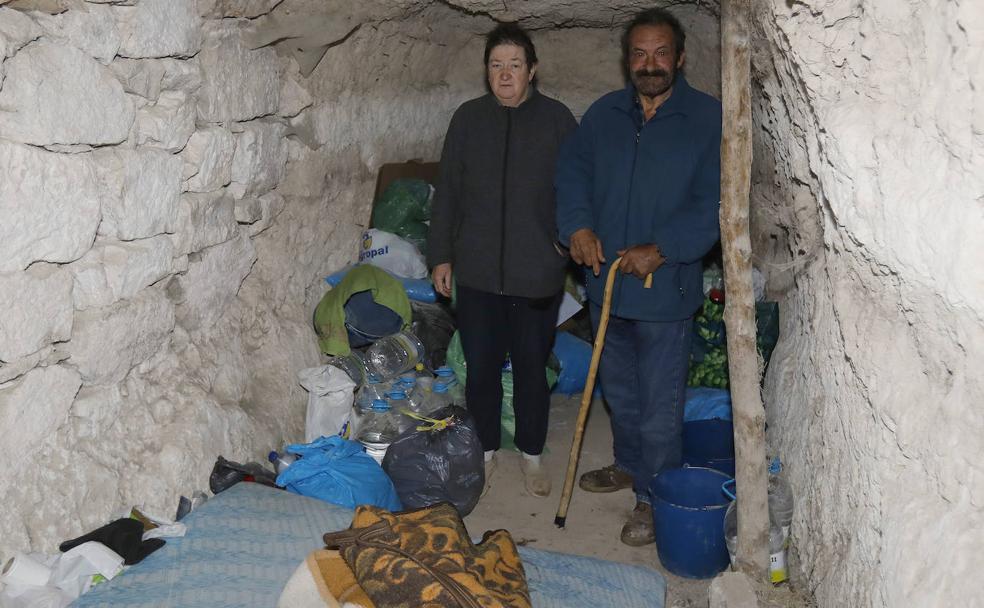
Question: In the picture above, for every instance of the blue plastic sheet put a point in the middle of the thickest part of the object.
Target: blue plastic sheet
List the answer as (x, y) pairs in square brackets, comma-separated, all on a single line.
[(420, 290), (707, 404), (338, 471)]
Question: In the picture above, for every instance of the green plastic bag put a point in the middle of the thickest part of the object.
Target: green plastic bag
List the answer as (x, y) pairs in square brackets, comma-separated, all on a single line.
[(709, 354), (404, 210), (456, 360)]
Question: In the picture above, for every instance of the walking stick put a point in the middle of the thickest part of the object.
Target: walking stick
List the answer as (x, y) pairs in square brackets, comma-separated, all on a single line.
[(582, 414)]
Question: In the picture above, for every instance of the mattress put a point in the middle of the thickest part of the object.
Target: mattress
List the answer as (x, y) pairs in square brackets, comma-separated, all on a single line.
[(243, 545)]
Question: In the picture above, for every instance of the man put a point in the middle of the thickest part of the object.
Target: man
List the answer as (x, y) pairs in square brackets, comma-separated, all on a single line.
[(640, 179)]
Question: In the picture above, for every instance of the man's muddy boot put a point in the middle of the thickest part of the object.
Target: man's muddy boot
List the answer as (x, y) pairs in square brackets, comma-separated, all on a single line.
[(607, 479), (638, 531)]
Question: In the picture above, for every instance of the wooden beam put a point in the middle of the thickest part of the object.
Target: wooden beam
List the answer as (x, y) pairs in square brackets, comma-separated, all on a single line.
[(739, 313)]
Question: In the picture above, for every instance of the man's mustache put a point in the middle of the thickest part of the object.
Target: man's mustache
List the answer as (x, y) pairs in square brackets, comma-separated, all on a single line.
[(651, 73)]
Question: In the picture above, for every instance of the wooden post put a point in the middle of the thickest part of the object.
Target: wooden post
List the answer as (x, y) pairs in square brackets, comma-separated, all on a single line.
[(739, 312)]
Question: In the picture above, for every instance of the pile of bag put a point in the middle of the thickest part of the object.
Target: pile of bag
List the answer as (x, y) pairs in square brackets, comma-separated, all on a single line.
[(404, 210), (431, 454)]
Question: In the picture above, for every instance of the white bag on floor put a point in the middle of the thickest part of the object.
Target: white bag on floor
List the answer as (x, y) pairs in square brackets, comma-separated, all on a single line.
[(330, 396), (392, 253)]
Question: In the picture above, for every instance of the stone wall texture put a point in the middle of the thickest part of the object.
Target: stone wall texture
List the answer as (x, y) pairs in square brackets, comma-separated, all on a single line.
[(868, 201), (173, 194)]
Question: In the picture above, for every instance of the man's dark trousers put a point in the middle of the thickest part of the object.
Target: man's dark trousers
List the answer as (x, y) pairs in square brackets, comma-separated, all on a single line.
[(492, 325), (644, 379)]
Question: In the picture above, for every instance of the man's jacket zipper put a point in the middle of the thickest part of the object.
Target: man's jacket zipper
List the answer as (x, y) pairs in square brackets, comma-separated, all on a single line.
[(628, 211)]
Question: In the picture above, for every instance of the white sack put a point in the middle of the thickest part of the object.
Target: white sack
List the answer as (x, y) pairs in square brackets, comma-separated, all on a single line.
[(392, 253), (330, 396)]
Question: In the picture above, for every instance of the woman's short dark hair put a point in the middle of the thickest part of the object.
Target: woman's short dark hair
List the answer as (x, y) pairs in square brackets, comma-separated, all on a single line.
[(654, 16), (510, 33)]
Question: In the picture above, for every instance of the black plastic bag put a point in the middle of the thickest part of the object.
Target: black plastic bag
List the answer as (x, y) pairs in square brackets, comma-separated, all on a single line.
[(227, 473), (446, 464), (433, 324)]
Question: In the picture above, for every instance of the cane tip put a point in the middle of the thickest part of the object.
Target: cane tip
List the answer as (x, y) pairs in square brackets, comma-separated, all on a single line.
[(560, 521)]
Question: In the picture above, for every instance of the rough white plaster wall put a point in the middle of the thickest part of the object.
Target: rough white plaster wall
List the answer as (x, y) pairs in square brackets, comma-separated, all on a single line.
[(869, 196), (123, 367), (172, 202)]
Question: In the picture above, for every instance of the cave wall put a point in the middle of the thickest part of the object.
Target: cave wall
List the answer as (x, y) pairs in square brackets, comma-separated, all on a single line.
[(142, 146), (867, 211), (173, 193)]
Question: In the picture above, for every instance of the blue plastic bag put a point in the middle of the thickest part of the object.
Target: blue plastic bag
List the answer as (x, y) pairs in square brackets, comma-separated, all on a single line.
[(707, 404), (574, 355), (338, 471), (421, 290)]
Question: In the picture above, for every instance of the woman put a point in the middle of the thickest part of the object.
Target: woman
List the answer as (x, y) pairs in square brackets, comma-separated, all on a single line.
[(493, 230)]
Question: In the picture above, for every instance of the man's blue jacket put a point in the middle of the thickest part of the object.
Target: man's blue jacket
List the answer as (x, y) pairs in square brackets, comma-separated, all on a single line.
[(636, 183)]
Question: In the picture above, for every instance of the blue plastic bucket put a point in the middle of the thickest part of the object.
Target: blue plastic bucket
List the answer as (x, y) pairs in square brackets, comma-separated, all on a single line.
[(688, 517), (710, 444)]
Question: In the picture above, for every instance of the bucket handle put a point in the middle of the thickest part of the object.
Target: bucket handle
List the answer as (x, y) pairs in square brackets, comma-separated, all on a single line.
[(729, 493)]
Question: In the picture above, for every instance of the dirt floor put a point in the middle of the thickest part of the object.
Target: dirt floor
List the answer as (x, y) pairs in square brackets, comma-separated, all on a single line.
[(593, 520)]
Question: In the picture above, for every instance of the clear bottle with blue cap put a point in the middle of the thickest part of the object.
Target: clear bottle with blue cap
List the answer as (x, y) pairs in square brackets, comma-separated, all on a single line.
[(407, 384), (399, 403), (780, 498), (446, 375), (373, 389), (780, 518), (438, 398), (379, 424), (415, 395), (379, 427), (425, 379)]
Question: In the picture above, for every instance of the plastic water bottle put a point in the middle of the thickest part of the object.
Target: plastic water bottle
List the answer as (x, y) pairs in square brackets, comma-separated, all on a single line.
[(446, 375), (378, 430), (777, 553), (398, 400), (391, 356), (425, 380), (777, 547), (415, 396), (281, 460), (352, 364), (373, 389), (438, 398), (405, 383), (731, 531), (780, 499)]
